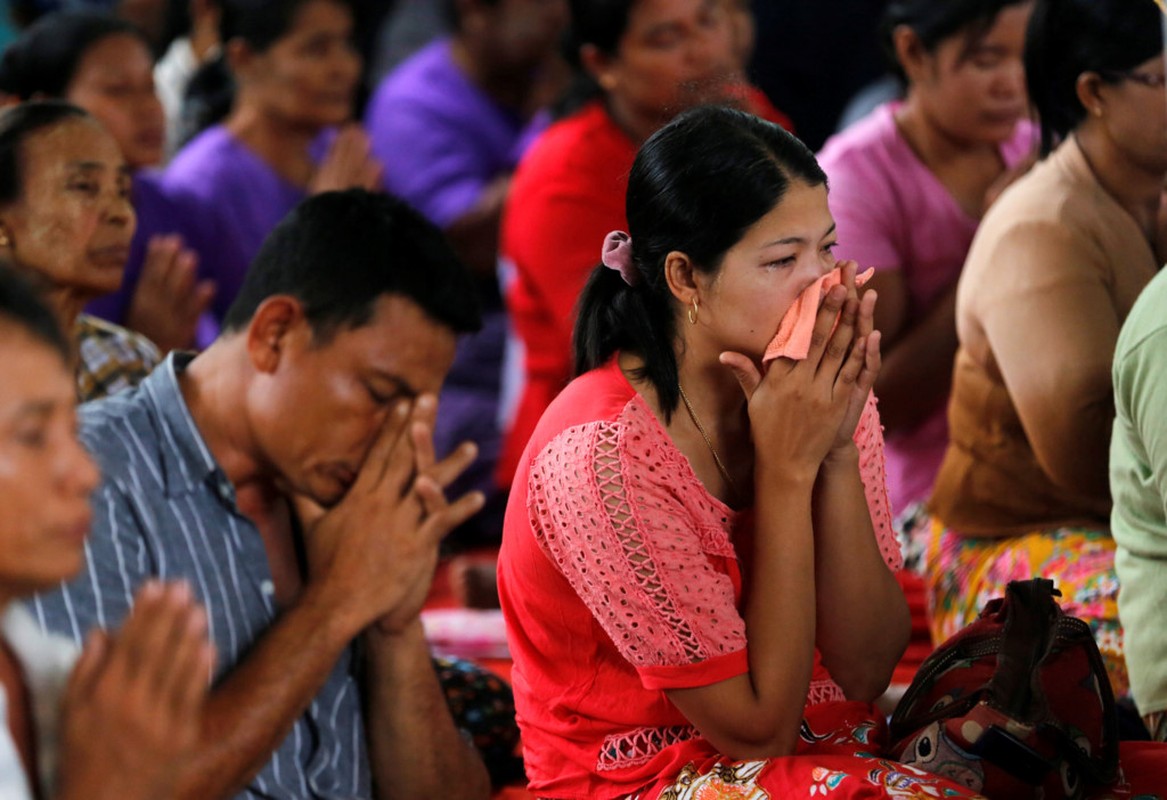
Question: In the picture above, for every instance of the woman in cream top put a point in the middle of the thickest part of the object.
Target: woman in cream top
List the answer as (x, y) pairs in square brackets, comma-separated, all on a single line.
[(1052, 273)]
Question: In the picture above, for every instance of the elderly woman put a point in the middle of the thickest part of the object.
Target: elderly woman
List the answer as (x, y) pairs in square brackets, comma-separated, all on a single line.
[(65, 217), (104, 65), (116, 718)]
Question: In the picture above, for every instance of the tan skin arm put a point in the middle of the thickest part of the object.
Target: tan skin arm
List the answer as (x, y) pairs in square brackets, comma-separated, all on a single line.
[(132, 707), (412, 756), (414, 747), (916, 376), (370, 558), (474, 235), (757, 714)]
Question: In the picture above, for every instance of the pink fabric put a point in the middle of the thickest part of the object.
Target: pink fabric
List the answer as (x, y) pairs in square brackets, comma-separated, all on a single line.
[(894, 213), (619, 578), (797, 325)]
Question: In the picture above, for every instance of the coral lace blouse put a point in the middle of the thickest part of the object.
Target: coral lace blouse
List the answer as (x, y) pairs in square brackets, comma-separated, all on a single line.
[(619, 579)]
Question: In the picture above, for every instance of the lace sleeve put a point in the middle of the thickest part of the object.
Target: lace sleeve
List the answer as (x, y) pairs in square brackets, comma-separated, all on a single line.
[(611, 510), (869, 439)]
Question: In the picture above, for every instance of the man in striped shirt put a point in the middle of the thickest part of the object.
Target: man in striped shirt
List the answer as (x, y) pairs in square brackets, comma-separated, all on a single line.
[(288, 474)]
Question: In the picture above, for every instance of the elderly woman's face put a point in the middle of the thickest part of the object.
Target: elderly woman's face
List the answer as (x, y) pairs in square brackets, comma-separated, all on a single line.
[(46, 477), (73, 221)]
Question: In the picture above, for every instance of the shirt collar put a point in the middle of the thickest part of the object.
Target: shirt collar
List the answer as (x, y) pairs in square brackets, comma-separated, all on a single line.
[(186, 460)]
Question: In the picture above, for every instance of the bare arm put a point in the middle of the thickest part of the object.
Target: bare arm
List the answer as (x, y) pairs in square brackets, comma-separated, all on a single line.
[(916, 376), (131, 710), (474, 235), (370, 556), (758, 714), (414, 747), (863, 623)]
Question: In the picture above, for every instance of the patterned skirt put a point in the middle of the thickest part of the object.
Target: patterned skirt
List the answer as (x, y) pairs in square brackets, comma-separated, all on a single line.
[(839, 755), (963, 574)]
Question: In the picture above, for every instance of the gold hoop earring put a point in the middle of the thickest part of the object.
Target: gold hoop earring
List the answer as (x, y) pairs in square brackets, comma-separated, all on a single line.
[(692, 313)]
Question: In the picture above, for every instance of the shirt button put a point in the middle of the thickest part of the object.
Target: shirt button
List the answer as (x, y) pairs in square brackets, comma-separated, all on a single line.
[(268, 588)]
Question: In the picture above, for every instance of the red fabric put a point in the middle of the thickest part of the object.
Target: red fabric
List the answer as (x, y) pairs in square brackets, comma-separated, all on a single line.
[(567, 194), (837, 756), (920, 643), (1144, 769), (618, 577)]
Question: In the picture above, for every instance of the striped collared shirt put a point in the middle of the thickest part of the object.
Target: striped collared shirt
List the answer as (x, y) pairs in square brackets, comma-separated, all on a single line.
[(166, 509)]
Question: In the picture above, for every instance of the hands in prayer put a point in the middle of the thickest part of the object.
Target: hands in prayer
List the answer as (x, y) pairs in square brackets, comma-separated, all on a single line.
[(133, 707), (374, 553)]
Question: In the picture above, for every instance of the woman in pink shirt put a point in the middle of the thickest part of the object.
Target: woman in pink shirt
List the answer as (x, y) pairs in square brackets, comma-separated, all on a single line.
[(909, 185)]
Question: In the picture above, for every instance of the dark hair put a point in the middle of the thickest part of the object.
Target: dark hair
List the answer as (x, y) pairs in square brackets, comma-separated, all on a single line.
[(1068, 37), (21, 305), (210, 92), (44, 60), (601, 24), (337, 252), (16, 125), (452, 15), (934, 21), (697, 185), (260, 23)]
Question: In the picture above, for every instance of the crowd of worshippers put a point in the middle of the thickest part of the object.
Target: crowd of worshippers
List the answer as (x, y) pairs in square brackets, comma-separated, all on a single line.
[(716, 321)]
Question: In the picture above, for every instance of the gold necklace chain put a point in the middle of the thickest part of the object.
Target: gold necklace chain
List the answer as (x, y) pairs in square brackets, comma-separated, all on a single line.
[(708, 442)]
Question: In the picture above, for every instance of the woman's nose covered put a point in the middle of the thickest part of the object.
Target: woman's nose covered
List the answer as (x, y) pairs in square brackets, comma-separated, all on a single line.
[(794, 331)]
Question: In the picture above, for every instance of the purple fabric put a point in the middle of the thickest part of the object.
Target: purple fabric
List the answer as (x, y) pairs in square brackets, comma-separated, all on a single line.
[(159, 212), (242, 199), (441, 139)]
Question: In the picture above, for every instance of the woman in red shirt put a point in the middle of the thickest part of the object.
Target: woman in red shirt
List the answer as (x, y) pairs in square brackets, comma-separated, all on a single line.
[(698, 602), (639, 63)]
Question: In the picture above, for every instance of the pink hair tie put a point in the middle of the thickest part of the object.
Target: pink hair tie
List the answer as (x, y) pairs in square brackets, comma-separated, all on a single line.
[(617, 255)]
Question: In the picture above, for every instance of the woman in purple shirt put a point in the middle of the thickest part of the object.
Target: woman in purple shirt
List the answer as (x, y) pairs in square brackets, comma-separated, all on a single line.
[(294, 73)]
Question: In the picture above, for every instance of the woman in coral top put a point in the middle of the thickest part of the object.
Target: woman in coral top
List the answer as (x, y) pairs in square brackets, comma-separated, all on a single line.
[(696, 595), (639, 63)]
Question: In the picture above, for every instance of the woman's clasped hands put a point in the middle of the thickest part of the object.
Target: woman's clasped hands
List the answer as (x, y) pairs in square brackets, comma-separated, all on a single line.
[(803, 411)]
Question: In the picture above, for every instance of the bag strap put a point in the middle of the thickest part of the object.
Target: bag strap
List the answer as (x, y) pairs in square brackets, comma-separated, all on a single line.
[(1030, 624)]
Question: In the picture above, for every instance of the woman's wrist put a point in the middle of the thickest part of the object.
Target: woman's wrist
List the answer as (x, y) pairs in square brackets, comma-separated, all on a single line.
[(843, 455)]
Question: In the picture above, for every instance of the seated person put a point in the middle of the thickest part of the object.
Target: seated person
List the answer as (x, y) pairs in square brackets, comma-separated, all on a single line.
[(66, 218), (287, 473), (451, 123), (909, 185), (642, 506), (1052, 273), (1138, 483), (116, 718), (294, 74), (104, 65), (638, 64)]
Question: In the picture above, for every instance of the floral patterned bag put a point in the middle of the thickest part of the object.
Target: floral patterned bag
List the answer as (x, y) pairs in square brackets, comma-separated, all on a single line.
[(1016, 705)]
